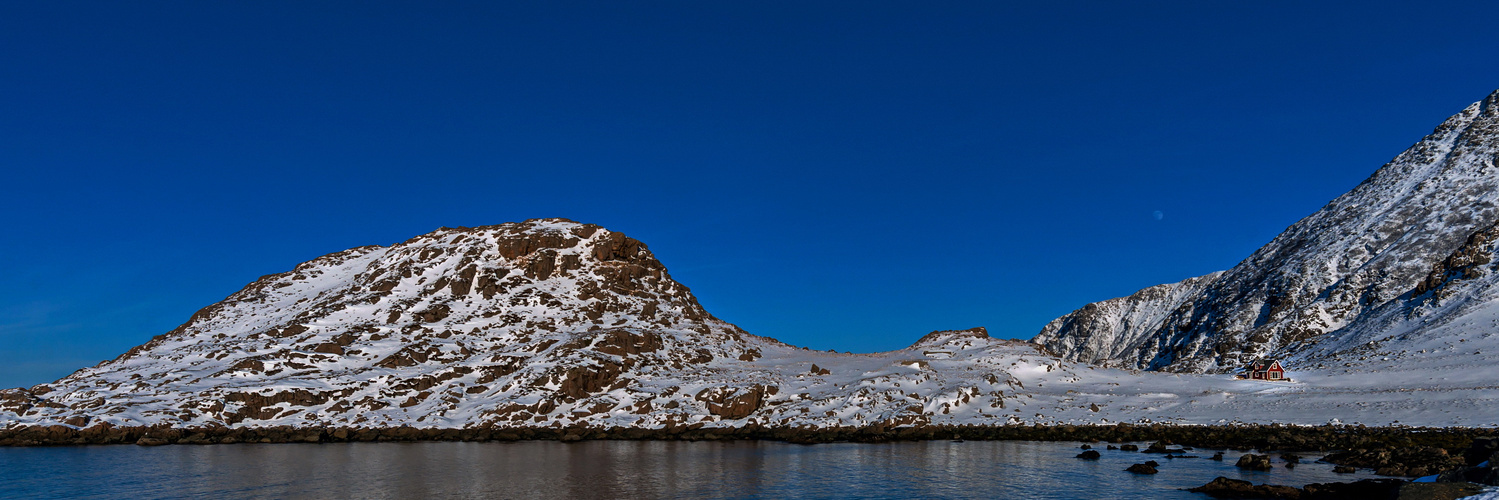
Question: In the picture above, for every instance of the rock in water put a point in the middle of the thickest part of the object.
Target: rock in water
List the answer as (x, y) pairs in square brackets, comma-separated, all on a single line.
[(1089, 455), (1223, 487), (1141, 469), (1253, 462)]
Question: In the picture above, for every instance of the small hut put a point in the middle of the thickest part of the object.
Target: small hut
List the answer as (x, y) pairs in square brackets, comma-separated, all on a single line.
[(1265, 369)]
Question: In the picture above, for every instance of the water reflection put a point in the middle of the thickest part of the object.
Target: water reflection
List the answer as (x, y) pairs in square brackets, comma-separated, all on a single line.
[(613, 469)]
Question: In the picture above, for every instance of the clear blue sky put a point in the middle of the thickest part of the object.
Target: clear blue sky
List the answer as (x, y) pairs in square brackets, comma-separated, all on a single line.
[(837, 175)]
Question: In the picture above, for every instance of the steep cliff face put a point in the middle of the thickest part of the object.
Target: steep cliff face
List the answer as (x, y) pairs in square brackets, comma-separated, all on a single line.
[(1448, 324), (1107, 332), (1327, 272)]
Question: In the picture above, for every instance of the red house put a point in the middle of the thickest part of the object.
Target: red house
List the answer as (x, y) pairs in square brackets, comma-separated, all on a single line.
[(1265, 369)]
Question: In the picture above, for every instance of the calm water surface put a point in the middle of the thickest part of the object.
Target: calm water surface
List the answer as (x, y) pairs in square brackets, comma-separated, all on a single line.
[(615, 469)]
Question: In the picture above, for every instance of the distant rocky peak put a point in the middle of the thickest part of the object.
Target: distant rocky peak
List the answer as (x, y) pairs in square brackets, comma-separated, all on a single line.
[(941, 338)]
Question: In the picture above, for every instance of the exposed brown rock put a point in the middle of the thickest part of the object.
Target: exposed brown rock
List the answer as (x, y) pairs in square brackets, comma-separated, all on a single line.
[(435, 313), (287, 331), (259, 407), (579, 382), (735, 403), (625, 343), (151, 441), (1464, 263)]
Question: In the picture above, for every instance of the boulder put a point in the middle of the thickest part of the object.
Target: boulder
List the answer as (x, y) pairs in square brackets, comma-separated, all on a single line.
[(1223, 487), (151, 441), (1141, 469), (1253, 462), (1162, 447), (1367, 489), (1089, 455), (1481, 450)]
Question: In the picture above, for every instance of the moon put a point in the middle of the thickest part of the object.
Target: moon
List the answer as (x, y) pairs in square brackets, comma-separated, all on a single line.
[(1158, 215)]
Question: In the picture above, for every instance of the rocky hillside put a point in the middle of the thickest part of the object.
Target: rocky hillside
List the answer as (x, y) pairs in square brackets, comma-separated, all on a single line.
[(1418, 223), (543, 323)]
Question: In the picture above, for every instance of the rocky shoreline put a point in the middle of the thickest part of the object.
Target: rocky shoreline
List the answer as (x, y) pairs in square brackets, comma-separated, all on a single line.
[(1466, 473), (1454, 453), (1379, 448)]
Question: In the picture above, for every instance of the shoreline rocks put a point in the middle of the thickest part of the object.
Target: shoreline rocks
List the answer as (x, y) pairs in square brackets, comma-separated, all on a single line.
[(1350, 445), (1367, 489)]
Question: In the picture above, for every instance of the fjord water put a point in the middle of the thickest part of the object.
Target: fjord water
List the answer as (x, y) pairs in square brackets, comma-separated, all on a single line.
[(616, 469)]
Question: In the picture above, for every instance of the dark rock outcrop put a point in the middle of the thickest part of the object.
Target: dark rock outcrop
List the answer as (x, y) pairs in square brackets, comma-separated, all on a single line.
[(1409, 461), (1223, 487), (1253, 462)]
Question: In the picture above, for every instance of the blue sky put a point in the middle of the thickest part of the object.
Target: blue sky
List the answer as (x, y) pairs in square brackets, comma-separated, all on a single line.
[(837, 175)]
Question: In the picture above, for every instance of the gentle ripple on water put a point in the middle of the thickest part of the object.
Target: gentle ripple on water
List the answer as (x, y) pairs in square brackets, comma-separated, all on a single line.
[(616, 469)]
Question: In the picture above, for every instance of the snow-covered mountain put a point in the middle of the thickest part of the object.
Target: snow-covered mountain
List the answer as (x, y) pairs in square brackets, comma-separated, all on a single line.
[(551, 323), (1385, 305), (1408, 242), (541, 323)]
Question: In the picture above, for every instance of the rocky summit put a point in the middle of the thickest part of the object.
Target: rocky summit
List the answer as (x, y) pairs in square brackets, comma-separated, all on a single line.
[(1409, 249)]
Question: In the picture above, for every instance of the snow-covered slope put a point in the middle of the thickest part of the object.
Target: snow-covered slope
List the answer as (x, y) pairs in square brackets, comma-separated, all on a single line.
[(1335, 270), (541, 323)]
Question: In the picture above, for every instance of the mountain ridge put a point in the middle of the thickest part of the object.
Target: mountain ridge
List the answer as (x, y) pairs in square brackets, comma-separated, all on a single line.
[(1364, 248)]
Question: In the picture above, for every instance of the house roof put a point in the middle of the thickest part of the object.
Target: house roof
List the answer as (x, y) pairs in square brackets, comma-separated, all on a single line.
[(1262, 363)]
